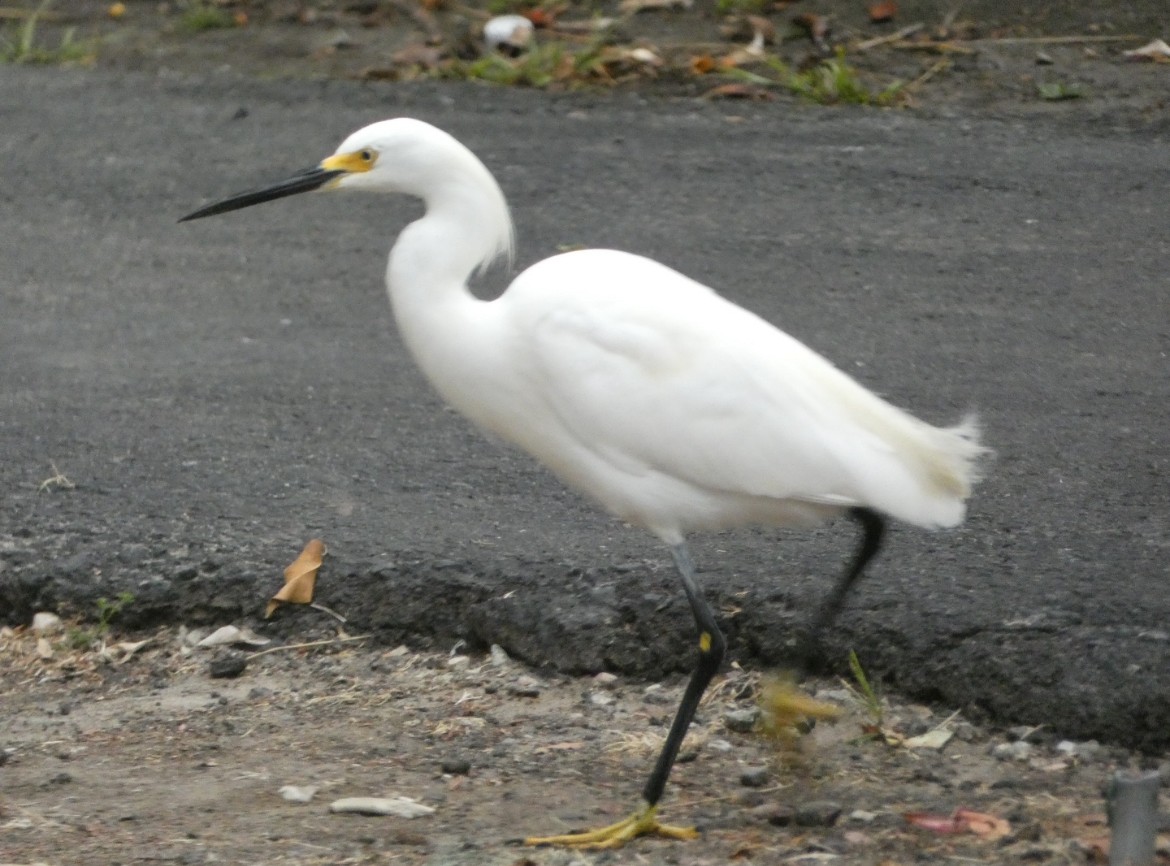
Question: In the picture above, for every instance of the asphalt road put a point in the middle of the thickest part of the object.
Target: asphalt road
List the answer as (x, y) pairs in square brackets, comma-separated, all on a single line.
[(221, 391)]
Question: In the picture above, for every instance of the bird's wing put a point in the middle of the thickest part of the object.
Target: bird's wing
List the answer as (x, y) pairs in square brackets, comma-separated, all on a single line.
[(656, 373)]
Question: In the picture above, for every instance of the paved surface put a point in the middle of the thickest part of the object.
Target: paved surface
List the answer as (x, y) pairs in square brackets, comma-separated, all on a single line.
[(222, 391)]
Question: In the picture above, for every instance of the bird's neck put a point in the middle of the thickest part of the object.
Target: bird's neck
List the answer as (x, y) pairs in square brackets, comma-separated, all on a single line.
[(446, 328)]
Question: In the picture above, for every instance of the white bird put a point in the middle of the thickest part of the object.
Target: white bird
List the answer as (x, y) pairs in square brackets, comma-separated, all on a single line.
[(672, 407)]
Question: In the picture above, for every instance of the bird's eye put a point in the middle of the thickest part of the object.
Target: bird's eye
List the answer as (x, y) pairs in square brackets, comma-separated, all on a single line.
[(366, 155)]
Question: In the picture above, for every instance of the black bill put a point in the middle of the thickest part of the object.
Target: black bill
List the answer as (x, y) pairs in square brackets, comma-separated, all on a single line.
[(305, 181)]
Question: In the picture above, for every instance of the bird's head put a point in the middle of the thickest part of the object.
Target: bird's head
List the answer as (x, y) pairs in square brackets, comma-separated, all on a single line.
[(398, 155)]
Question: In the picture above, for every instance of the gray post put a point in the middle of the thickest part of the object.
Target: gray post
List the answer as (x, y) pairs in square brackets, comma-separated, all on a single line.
[(1132, 804)]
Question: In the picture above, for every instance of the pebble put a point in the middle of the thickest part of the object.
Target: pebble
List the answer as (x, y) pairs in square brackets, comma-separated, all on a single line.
[(228, 667), (499, 655), (456, 767), (655, 695), (298, 793), (965, 732), (45, 622), (230, 634), (1017, 751), (754, 777), (1086, 751), (401, 807), (780, 816), (600, 699), (525, 687), (605, 679), (741, 721), (817, 813)]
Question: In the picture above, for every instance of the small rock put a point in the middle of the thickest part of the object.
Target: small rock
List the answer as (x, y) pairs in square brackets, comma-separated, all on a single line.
[(298, 793), (228, 667), (754, 777), (1017, 751), (230, 634), (605, 679), (781, 816), (818, 813), (400, 807), (1086, 751), (1044, 59), (600, 699), (45, 622), (525, 687), (862, 816), (499, 655), (508, 34), (655, 695), (834, 696), (458, 661), (61, 779), (741, 721), (456, 767), (720, 745), (965, 732), (915, 728)]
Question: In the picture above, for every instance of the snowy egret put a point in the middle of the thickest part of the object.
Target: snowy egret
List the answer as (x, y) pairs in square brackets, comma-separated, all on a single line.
[(671, 406)]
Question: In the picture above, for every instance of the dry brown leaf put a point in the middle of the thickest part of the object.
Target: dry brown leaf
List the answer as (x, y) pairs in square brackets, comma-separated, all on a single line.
[(631, 7), (817, 27), (738, 91), (882, 11), (542, 19), (703, 64), (300, 578), (987, 827)]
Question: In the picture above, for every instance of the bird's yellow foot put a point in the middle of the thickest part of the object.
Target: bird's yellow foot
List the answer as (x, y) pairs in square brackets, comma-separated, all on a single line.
[(641, 823), (785, 710)]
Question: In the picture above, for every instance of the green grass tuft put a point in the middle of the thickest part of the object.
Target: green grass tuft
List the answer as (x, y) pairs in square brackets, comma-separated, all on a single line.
[(833, 81), (23, 46), (200, 17)]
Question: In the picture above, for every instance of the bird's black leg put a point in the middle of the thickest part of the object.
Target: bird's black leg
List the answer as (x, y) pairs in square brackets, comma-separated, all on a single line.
[(644, 820), (712, 648), (873, 527)]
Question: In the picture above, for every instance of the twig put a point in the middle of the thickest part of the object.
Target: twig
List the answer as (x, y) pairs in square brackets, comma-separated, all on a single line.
[(10, 13), (938, 66), (58, 479), (293, 646), (318, 606), (890, 37), (1050, 40)]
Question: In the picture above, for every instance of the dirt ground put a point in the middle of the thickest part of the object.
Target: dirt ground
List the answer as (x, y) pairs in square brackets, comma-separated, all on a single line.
[(117, 758)]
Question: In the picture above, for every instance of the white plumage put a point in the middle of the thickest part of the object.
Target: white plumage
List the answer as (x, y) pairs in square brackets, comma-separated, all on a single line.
[(669, 405)]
